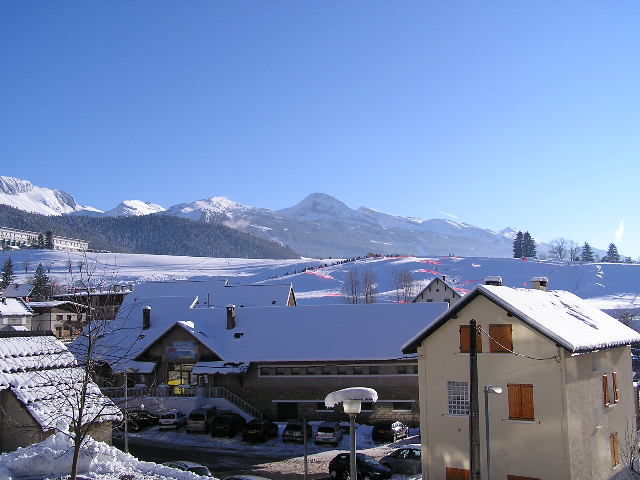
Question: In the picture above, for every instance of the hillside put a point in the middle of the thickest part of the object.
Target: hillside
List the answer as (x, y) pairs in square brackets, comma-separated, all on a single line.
[(150, 234)]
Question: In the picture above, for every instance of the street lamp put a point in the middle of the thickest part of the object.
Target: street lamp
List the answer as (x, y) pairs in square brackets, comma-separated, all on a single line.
[(351, 399), (487, 390)]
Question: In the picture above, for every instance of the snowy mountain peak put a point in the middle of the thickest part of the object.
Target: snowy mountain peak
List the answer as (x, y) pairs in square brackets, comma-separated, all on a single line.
[(23, 195), (318, 206), (130, 208)]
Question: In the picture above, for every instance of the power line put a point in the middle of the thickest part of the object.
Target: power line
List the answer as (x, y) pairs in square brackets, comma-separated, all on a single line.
[(555, 357)]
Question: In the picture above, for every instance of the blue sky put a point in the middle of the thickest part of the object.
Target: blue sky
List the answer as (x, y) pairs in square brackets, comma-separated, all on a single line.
[(502, 113)]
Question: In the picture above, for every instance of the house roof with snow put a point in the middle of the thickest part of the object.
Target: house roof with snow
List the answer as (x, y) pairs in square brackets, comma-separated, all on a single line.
[(46, 379), (561, 316), (17, 290), (14, 307), (219, 294), (437, 280), (264, 334), (45, 306)]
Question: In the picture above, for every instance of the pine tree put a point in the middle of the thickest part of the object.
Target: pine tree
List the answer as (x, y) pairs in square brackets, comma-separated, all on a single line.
[(41, 285), (48, 242), (587, 253), (40, 240), (612, 254), (529, 246), (517, 245), (7, 275)]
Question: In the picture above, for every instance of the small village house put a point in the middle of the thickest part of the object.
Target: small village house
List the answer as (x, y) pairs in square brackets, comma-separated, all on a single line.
[(438, 290)]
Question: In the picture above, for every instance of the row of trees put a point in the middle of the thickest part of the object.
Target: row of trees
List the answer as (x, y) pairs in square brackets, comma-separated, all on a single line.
[(42, 287), (362, 287), (563, 249), (524, 245)]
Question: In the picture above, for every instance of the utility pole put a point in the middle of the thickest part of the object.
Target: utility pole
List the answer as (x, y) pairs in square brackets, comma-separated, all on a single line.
[(474, 412)]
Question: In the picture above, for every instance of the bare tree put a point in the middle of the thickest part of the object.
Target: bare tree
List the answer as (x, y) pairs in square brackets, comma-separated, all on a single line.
[(26, 264), (404, 284), (351, 287), (558, 249), (370, 287), (626, 316), (628, 450), (574, 250)]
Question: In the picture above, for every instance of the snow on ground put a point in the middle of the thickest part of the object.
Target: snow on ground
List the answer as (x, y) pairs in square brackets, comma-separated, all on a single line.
[(52, 458), (605, 285)]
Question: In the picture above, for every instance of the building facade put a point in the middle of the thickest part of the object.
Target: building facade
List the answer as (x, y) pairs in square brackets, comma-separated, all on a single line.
[(11, 237)]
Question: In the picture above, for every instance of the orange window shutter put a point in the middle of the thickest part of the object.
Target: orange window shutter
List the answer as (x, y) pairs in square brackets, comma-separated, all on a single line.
[(457, 474), (465, 339), (605, 390), (615, 457), (614, 380), (515, 402), (501, 338), (527, 402)]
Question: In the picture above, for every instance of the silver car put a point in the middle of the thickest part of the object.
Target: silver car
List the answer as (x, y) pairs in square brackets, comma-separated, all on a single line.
[(172, 419), (407, 460), (329, 432)]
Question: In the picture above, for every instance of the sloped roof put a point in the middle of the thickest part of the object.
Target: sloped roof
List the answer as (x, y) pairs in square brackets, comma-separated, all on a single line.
[(217, 293), (15, 290), (436, 279), (314, 333), (14, 307), (561, 316), (46, 379)]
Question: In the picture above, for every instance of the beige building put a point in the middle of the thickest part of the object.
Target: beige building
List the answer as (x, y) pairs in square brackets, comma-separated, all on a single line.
[(15, 312), (63, 318), (564, 367), (39, 389), (13, 238), (438, 290)]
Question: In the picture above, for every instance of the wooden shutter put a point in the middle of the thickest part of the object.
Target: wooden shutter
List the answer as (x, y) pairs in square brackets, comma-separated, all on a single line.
[(501, 340), (457, 474), (614, 381), (520, 477), (615, 449), (465, 339), (605, 391), (521, 402)]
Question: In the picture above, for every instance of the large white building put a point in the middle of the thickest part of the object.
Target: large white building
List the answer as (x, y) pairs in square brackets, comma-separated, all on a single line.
[(11, 237)]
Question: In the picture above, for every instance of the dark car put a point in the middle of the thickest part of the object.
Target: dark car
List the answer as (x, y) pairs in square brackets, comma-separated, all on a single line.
[(389, 431), (367, 467), (293, 432), (259, 430), (407, 460), (189, 467), (227, 424), (138, 419)]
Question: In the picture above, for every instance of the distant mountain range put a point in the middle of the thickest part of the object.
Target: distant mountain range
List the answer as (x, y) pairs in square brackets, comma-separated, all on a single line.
[(318, 226)]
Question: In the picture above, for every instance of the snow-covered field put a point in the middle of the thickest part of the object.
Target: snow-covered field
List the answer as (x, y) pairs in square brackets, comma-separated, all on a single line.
[(606, 285)]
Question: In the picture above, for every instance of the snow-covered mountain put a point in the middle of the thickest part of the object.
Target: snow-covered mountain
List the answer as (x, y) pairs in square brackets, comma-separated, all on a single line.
[(130, 208), (23, 195)]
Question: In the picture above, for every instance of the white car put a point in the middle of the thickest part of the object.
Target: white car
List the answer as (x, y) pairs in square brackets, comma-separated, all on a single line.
[(172, 419)]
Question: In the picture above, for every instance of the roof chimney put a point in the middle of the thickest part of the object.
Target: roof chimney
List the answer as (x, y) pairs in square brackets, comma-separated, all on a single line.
[(146, 318), (231, 317), (497, 281), (539, 283)]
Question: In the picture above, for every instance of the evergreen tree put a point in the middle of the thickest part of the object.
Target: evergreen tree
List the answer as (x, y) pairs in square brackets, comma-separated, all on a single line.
[(48, 242), (40, 240), (612, 254), (41, 285), (528, 246), (517, 245), (587, 253), (7, 275)]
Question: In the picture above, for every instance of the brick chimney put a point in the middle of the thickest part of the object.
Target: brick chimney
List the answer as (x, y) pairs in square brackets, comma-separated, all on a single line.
[(231, 317), (146, 318), (495, 280), (539, 283)]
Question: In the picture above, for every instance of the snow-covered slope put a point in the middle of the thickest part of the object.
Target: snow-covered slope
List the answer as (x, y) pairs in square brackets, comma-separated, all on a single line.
[(129, 208), (23, 195)]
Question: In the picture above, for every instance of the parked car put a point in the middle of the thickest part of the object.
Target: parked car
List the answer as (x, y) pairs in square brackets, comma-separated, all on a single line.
[(329, 432), (189, 467), (172, 419), (367, 467), (389, 431), (259, 430), (293, 432), (139, 419), (200, 419), (227, 424), (407, 460)]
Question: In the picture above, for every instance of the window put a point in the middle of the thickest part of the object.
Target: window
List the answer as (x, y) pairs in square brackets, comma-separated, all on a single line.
[(615, 449), (520, 402), (429, 300), (366, 406), (500, 340), (457, 474), (312, 370), (614, 381), (402, 406), (321, 407), (342, 370), (68, 318), (265, 371), (279, 371), (402, 369), (357, 370), (605, 390), (373, 370), (415, 369), (465, 339), (59, 318), (295, 371), (326, 370), (458, 398)]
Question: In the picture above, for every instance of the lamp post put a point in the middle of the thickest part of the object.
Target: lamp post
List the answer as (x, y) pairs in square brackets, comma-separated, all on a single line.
[(352, 399), (487, 390)]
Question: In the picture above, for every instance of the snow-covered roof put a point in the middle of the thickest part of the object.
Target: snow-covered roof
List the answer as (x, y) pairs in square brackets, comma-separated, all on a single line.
[(14, 307), (38, 306), (436, 280), (267, 334), (45, 377), (561, 316), (15, 290), (218, 294)]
